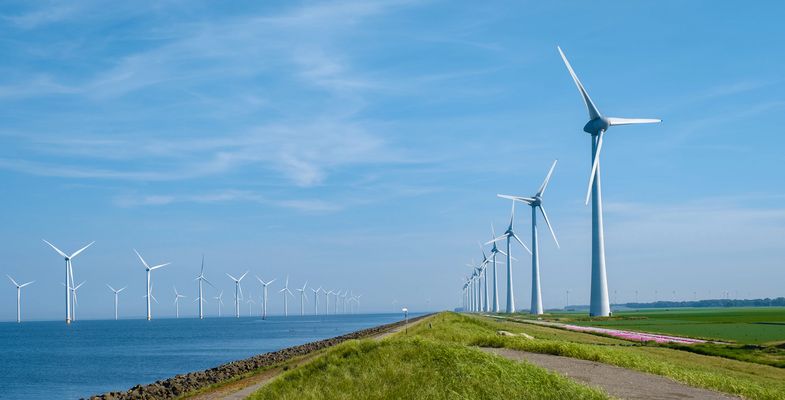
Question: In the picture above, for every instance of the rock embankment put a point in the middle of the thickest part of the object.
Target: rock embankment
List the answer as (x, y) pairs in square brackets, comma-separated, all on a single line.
[(185, 383)]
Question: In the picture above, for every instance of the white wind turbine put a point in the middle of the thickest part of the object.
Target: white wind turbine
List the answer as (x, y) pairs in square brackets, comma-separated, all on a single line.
[(494, 251), (327, 301), (344, 296), (536, 203), (18, 297), (177, 297), (238, 293), (597, 126), (250, 305), (303, 299), (200, 298), (264, 285), (69, 276), (149, 296), (73, 291), (149, 269), (220, 301), (286, 290), (316, 300), (485, 261), (508, 235), (116, 295)]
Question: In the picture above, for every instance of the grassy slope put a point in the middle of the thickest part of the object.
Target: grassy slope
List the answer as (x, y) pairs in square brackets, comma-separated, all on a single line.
[(730, 376), (416, 368)]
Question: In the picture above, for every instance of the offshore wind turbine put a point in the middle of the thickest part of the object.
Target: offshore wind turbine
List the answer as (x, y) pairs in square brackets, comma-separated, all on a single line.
[(508, 235), (345, 294), (238, 293), (73, 291), (200, 298), (286, 290), (116, 295), (597, 126), (264, 306), (250, 304), (303, 299), (536, 203), (177, 297), (316, 300), (220, 301), (327, 301), (149, 269), (18, 297), (69, 276)]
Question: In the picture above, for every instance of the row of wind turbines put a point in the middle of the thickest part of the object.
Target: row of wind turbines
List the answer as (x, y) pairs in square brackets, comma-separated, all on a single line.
[(341, 298), (475, 287)]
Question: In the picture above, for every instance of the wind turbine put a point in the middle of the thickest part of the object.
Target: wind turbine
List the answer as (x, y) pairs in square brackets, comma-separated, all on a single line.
[(536, 203), (303, 299), (327, 301), (220, 301), (597, 126), (238, 292), (264, 284), (250, 304), (116, 295), (69, 276), (510, 234), (177, 297), (201, 299), (286, 290), (18, 297), (345, 294), (495, 250), (484, 265), (73, 291), (149, 269), (316, 300)]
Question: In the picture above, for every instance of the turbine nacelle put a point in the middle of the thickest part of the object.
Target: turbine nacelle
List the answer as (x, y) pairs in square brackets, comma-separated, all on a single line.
[(596, 125)]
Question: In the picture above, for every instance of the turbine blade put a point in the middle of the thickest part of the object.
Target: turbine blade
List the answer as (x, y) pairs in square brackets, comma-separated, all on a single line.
[(547, 179), (548, 222), (500, 238), (209, 283), (233, 278), (595, 165), (142, 259), (56, 249), (493, 231), (159, 266), (590, 107), (243, 275), (25, 284), (81, 250), (122, 289), (526, 200), (110, 287), (521, 242), (201, 272), (12, 280), (613, 121)]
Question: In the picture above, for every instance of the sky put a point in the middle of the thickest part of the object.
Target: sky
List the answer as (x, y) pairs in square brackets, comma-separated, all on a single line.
[(360, 145)]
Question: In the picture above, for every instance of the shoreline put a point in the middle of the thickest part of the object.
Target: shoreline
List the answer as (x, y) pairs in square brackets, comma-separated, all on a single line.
[(180, 385)]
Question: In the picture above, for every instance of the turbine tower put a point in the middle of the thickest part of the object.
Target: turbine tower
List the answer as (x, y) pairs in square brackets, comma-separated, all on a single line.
[(327, 301), (200, 298), (597, 126), (149, 269), (116, 295), (69, 276), (303, 299), (238, 293), (264, 306), (18, 297), (220, 301), (508, 235), (495, 250), (286, 290), (316, 300), (177, 297), (536, 203)]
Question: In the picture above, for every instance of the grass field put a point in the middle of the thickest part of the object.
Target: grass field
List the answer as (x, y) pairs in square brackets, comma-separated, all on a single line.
[(765, 325), (439, 361)]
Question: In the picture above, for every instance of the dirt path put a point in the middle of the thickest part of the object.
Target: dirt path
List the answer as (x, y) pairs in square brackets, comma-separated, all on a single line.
[(618, 382), (244, 388)]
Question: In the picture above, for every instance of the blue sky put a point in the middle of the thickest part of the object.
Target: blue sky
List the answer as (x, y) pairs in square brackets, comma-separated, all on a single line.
[(360, 145)]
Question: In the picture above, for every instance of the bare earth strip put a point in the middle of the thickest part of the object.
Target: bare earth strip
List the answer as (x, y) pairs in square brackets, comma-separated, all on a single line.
[(243, 388), (617, 382)]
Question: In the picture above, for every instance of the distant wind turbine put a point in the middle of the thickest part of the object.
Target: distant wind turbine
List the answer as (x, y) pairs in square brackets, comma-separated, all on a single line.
[(200, 299), (286, 290), (303, 298), (327, 301), (69, 276), (536, 203), (177, 297), (597, 126), (116, 295), (238, 293), (220, 302), (250, 305), (316, 300), (149, 269), (18, 297), (73, 310), (494, 251), (264, 285), (508, 235)]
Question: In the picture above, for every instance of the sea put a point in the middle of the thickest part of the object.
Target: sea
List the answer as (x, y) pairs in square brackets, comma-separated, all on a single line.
[(52, 360)]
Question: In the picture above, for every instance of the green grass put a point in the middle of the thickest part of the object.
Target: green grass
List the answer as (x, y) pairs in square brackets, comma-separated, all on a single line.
[(741, 378), (418, 368), (748, 325)]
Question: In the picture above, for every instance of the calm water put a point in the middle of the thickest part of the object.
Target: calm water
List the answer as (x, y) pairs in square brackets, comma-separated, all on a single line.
[(49, 360)]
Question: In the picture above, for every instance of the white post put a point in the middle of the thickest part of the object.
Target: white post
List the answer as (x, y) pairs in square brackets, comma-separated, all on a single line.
[(599, 306), (536, 302), (510, 295)]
